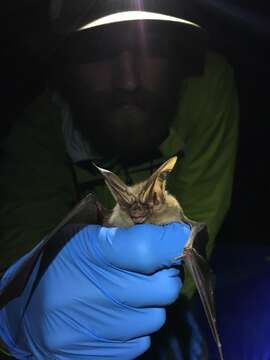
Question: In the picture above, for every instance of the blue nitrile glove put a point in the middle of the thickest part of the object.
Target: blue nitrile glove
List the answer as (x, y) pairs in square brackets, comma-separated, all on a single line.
[(101, 297)]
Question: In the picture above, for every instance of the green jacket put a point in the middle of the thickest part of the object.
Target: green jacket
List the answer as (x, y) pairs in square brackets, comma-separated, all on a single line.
[(37, 179)]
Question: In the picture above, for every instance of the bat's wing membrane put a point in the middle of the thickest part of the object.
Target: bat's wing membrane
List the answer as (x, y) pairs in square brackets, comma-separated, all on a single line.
[(203, 278), (16, 284)]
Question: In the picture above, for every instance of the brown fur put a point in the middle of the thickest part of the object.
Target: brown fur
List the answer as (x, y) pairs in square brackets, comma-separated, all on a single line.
[(165, 212), (145, 202)]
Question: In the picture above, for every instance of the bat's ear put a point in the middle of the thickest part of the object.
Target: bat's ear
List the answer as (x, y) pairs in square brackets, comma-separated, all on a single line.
[(154, 189), (117, 187)]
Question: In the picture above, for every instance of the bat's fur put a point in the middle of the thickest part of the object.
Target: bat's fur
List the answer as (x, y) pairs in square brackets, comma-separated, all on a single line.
[(149, 202), (146, 202), (164, 212)]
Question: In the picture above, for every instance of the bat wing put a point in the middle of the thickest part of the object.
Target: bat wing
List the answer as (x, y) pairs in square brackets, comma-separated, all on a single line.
[(203, 279), (16, 284)]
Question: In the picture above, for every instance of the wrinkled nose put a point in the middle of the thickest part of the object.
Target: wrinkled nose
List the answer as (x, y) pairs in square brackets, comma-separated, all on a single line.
[(126, 74), (138, 213)]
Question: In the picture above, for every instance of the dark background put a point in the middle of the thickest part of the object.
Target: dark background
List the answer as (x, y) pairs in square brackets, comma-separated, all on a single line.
[(239, 31)]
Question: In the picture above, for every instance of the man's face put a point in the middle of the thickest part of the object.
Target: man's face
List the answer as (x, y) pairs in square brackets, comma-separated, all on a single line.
[(123, 102)]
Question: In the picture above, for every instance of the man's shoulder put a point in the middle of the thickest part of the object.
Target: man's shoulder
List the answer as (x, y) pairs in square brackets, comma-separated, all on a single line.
[(42, 110), (217, 75), (37, 130), (216, 60), (206, 97), (217, 67)]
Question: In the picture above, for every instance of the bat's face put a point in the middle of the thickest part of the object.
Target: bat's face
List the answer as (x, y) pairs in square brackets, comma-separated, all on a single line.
[(146, 202)]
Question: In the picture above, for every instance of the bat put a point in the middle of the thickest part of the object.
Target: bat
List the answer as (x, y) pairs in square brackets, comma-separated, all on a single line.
[(149, 202), (145, 202)]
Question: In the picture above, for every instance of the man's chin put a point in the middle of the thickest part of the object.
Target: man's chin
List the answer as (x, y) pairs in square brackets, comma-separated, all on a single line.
[(136, 159), (127, 133), (128, 117), (129, 148)]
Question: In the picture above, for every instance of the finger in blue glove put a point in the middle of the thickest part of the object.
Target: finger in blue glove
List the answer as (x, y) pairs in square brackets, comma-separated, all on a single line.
[(102, 296)]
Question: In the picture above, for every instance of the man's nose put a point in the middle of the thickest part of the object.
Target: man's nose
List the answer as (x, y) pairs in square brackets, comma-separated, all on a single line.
[(126, 74)]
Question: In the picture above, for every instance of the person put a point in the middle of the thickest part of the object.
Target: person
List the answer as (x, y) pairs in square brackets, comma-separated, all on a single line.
[(123, 96), (101, 297)]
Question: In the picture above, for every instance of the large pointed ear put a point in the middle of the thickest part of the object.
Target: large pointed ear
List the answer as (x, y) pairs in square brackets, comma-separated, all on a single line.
[(154, 189), (117, 187)]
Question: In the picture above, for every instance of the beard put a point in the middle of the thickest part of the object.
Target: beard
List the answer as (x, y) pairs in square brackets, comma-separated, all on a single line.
[(126, 126)]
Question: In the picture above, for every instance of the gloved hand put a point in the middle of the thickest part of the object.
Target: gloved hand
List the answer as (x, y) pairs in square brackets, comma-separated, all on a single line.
[(102, 295)]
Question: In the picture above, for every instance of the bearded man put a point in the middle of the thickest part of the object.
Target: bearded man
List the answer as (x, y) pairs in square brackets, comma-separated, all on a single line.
[(128, 88)]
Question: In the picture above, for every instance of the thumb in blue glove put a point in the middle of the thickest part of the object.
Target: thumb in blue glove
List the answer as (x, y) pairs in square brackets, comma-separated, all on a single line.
[(101, 297)]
